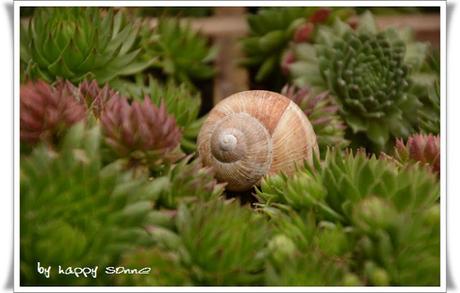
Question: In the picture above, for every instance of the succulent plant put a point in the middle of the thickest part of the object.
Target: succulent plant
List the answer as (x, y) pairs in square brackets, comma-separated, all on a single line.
[(182, 184), (303, 253), (408, 187), (271, 32), (47, 111), (75, 43), (165, 268), (301, 191), (75, 212), (345, 219), (428, 115), (180, 100), (322, 111), (140, 131), (189, 181), (213, 242), (225, 232), (179, 51), (371, 73), (94, 97), (374, 217), (425, 149)]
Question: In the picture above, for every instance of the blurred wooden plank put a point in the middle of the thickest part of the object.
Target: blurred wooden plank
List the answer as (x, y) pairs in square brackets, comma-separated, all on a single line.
[(229, 11), (230, 77), (234, 25)]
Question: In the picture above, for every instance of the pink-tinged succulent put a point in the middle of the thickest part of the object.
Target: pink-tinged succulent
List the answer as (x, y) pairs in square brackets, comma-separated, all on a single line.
[(322, 111), (304, 32), (140, 129), (422, 148), (47, 111), (353, 23), (320, 15), (286, 60), (96, 97)]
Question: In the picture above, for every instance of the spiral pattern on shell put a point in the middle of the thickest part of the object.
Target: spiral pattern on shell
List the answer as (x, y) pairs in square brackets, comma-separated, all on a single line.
[(252, 134)]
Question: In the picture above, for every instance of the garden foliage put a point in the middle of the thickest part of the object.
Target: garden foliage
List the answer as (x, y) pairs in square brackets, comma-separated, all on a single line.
[(109, 115)]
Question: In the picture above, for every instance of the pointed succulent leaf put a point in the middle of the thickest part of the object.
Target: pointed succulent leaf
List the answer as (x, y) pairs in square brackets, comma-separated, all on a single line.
[(181, 101), (47, 111), (425, 149), (180, 52), (164, 268), (74, 42), (70, 214), (222, 242), (271, 32), (141, 130), (371, 73), (323, 113), (376, 216), (189, 181)]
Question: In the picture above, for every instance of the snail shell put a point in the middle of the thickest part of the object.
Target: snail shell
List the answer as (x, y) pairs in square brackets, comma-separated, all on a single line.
[(252, 134)]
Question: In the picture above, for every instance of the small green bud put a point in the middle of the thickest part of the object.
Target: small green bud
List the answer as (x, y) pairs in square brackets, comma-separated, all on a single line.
[(351, 279), (379, 277), (366, 246), (376, 275), (433, 215), (333, 242), (374, 213), (282, 248)]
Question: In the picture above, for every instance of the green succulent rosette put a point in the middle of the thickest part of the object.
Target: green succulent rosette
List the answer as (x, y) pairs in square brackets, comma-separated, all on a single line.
[(75, 43), (361, 220), (225, 231), (177, 50), (374, 75), (212, 243), (74, 211), (428, 115), (187, 181), (164, 267), (305, 252)]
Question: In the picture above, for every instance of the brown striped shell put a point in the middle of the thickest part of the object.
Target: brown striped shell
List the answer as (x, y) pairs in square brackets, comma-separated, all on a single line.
[(252, 134)]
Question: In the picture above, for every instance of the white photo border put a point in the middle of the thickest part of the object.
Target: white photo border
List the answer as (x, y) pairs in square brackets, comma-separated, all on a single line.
[(443, 198)]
